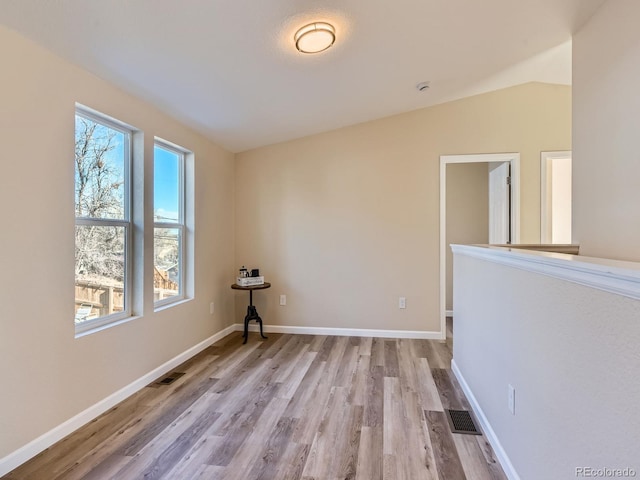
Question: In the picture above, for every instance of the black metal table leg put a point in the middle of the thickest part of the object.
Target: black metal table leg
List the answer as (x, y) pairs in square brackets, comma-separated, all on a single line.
[(252, 314), (259, 320)]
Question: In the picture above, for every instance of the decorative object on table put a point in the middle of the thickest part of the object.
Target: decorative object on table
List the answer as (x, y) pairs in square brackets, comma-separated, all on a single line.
[(252, 313), (249, 281), (248, 278)]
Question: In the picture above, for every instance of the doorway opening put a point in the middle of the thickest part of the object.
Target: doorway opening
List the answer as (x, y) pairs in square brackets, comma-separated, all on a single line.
[(503, 180), (555, 197)]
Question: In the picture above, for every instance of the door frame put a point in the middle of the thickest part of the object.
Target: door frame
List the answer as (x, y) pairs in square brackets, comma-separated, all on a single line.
[(514, 160)]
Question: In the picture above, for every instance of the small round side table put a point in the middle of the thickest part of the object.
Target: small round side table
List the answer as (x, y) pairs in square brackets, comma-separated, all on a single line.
[(252, 313)]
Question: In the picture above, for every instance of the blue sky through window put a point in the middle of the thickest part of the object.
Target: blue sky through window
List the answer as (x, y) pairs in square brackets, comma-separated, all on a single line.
[(166, 181), (99, 170)]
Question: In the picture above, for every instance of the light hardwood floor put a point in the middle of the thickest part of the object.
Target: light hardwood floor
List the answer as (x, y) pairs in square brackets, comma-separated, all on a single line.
[(290, 407)]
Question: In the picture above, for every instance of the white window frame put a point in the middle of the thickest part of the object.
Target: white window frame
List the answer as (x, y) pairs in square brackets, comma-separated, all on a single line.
[(101, 322), (180, 225)]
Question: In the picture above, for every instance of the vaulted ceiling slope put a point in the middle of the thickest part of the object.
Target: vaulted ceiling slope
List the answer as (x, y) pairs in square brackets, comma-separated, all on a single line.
[(229, 69)]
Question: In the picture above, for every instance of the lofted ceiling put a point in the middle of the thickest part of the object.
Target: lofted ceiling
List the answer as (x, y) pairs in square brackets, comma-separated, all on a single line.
[(229, 69)]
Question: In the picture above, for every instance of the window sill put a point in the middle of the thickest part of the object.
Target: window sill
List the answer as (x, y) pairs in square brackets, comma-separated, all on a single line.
[(173, 303), (99, 328)]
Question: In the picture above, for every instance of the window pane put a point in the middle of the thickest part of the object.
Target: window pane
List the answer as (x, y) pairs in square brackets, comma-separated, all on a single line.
[(100, 166), (166, 256), (100, 271), (166, 185)]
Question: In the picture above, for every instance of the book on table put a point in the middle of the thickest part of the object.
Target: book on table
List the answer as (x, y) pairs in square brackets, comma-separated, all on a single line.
[(249, 281)]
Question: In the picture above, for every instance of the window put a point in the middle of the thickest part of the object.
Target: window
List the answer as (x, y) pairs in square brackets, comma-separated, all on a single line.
[(169, 223), (103, 221)]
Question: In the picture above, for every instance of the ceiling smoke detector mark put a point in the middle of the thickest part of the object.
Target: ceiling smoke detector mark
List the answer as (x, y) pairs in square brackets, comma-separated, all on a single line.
[(422, 86)]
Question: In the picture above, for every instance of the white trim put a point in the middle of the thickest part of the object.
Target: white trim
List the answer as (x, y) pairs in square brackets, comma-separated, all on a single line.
[(503, 458), (344, 332), (98, 116), (479, 158), (613, 276), (113, 322), (31, 449), (514, 158)]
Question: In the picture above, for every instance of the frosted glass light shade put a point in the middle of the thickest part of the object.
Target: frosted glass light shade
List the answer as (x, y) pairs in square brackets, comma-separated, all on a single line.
[(315, 37)]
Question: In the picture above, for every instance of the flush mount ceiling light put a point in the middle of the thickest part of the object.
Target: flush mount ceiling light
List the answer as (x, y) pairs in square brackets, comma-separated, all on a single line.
[(315, 37)]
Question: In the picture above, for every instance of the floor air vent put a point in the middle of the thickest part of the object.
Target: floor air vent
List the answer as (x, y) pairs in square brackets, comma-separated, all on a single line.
[(169, 378), (461, 421)]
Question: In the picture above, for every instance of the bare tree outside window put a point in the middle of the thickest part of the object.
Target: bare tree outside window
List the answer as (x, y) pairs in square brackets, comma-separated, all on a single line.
[(99, 171), (101, 160)]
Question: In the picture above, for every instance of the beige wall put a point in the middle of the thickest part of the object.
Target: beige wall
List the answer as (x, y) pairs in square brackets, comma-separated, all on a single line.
[(345, 222), (606, 112), (48, 375), (467, 210)]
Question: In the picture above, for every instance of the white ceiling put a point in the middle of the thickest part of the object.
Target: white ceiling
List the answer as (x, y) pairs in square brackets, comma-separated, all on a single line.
[(229, 69)]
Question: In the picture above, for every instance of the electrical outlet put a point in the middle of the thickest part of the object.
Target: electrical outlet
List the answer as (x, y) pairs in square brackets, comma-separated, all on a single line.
[(283, 300), (512, 399), (211, 308), (402, 302)]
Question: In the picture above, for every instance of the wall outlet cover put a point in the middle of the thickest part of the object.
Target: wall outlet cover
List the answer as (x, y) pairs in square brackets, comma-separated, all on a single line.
[(512, 399)]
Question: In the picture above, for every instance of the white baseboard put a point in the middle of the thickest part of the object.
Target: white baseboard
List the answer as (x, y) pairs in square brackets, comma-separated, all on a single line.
[(506, 464), (47, 439), (345, 332)]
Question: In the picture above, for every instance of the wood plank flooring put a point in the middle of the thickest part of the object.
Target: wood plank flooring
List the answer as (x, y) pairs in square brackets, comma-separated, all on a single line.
[(290, 407)]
